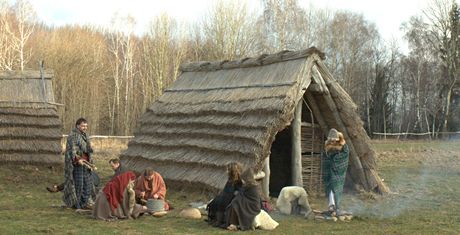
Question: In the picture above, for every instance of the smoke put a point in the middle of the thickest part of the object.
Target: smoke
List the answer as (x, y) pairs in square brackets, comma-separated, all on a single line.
[(409, 192)]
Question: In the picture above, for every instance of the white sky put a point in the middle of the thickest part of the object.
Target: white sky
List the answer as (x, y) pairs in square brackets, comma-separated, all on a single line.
[(386, 14)]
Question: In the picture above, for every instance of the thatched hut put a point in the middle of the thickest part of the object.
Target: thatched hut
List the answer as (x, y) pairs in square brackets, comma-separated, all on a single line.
[(30, 129), (270, 113)]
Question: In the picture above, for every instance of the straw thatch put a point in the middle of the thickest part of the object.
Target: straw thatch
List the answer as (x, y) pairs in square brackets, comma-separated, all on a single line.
[(30, 129), (219, 112)]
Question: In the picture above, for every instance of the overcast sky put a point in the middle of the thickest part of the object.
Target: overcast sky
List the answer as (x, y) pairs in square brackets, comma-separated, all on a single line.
[(386, 14)]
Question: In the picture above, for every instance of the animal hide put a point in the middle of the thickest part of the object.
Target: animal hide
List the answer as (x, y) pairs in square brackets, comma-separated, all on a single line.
[(190, 213), (293, 195), (264, 221)]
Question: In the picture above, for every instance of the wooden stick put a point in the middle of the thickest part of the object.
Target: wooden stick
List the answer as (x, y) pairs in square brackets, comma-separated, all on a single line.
[(317, 112), (88, 165)]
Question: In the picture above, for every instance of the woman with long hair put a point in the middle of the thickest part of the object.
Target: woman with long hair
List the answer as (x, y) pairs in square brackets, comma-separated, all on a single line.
[(216, 208), (246, 205)]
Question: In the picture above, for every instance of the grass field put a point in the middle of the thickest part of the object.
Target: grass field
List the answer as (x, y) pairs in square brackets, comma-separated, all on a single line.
[(424, 178)]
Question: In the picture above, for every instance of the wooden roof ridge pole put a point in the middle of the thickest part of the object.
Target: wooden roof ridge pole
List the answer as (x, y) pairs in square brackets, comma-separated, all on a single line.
[(354, 158)]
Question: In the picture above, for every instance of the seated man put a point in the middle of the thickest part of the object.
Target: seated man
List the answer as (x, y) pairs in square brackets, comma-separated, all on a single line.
[(150, 185), (117, 199)]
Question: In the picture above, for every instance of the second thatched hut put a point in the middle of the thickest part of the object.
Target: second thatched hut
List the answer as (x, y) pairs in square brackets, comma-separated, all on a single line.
[(30, 129)]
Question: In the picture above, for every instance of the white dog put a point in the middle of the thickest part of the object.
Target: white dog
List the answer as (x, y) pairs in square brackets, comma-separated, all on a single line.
[(293, 200)]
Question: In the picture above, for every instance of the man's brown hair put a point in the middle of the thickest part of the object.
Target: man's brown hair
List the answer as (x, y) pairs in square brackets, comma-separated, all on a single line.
[(148, 171), (114, 160)]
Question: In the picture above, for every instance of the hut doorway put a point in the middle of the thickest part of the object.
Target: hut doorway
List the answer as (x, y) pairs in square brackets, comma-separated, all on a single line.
[(280, 162), (312, 139)]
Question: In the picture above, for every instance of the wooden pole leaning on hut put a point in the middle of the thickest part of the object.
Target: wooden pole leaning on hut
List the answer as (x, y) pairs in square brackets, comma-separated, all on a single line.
[(296, 153), (316, 112)]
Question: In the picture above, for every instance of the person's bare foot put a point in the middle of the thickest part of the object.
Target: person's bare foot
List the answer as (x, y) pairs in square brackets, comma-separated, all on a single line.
[(232, 227)]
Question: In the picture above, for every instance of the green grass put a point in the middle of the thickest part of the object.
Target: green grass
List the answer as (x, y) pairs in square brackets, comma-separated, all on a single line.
[(423, 176)]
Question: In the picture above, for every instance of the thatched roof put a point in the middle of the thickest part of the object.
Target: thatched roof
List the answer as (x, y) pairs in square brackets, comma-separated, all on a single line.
[(219, 112), (29, 122)]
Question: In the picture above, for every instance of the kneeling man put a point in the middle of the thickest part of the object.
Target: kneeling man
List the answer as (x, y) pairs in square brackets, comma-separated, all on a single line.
[(150, 185)]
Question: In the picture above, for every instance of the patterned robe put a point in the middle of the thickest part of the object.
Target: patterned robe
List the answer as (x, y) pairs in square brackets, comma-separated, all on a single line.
[(335, 164), (78, 183)]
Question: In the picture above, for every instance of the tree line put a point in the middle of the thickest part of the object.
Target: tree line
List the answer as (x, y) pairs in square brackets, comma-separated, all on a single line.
[(111, 75)]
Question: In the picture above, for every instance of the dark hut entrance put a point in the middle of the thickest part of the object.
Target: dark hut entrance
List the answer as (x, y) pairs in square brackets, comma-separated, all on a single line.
[(312, 139), (280, 162)]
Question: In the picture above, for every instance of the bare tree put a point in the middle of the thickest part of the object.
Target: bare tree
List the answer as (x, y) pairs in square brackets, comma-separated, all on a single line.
[(78, 57), (165, 49), (285, 25), (443, 26), (229, 29), (7, 18), (421, 76), (129, 47), (351, 46), (114, 47), (20, 32), (122, 47), (381, 106)]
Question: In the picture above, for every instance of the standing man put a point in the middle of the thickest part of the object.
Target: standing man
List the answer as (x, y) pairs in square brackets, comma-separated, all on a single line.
[(78, 182)]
